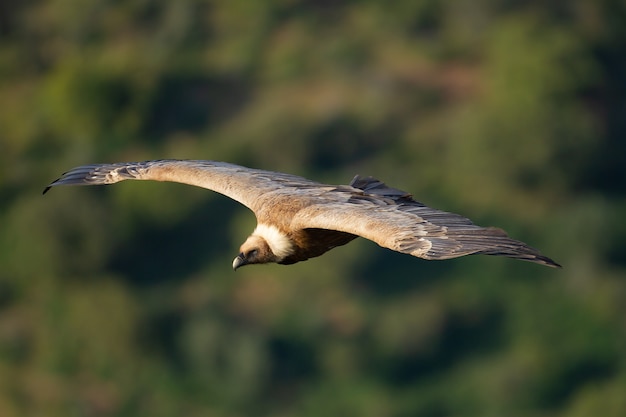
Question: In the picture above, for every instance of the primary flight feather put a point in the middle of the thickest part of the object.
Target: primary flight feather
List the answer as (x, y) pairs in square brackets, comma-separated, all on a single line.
[(298, 219)]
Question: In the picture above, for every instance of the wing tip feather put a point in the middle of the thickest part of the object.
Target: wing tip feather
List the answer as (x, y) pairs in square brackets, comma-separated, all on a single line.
[(544, 260)]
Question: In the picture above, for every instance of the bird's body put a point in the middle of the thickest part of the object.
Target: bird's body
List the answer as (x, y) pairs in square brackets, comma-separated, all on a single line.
[(298, 219)]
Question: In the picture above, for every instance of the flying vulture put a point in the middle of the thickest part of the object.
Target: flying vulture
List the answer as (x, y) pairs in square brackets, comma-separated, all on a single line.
[(298, 219)]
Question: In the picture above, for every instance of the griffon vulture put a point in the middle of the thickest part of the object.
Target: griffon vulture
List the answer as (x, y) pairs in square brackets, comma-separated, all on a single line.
[(298, 219)]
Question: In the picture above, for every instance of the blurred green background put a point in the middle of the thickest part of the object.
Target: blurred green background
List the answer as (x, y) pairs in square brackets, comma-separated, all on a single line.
[(121, 301)]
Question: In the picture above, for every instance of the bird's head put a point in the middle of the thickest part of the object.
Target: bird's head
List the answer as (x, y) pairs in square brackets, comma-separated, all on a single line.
[(255, 250), (266, 244)]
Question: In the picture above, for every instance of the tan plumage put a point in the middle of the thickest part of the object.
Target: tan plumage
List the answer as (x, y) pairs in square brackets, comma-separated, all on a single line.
[(299, 219)]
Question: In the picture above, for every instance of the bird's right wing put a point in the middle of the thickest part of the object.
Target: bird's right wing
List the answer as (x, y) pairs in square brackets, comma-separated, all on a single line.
[(242, 184)]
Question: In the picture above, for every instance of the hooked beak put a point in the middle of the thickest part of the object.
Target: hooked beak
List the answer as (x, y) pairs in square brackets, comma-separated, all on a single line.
[(240, 260)]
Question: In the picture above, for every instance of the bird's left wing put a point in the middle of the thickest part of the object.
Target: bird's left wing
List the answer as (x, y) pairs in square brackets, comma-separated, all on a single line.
[(242, 184), (394, 220)]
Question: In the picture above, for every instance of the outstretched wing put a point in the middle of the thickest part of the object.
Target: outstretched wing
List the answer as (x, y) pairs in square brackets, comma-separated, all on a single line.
[(394, 220), (242, 184)]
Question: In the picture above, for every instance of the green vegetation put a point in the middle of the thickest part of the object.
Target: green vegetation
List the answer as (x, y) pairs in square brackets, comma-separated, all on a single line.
[(120, 301)]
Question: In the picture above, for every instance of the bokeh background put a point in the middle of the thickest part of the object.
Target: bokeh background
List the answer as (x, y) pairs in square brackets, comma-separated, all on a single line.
[(121, 301)]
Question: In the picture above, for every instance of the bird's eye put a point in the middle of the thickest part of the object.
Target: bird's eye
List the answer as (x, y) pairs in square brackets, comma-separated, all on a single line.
[(252, 253)]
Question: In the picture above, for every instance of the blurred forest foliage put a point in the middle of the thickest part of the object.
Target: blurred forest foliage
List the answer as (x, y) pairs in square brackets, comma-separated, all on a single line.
[(121, 301)]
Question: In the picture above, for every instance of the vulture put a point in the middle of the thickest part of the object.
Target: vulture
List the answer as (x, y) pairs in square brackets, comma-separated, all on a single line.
[(298, 219)]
